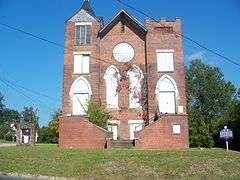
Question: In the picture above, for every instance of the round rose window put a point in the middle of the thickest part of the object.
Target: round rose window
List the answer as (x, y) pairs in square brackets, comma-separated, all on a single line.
[(123, 52)]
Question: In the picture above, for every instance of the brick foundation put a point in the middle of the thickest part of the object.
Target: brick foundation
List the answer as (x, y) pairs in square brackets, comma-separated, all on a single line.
[(159, 135), (79, 132)]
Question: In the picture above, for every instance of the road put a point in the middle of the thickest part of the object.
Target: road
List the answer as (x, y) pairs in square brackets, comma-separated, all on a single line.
[(12, 178)]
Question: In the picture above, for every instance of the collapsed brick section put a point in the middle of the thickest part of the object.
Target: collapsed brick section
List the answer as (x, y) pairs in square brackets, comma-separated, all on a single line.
[(79, 132)]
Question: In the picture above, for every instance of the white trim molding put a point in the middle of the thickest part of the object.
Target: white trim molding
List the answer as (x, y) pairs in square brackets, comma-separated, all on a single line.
[(108, 69), (83, 23), (135, 121), (114, 122), (76, 81), (164, 51), (82, 52)]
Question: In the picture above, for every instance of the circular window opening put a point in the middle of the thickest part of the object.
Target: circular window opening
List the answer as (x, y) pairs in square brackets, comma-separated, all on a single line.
[(123, 52)]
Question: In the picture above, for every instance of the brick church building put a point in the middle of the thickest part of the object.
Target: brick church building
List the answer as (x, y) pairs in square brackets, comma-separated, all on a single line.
[(135, 71)]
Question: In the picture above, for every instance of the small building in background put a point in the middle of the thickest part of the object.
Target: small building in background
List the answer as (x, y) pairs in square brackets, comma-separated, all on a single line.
[(25, 133)]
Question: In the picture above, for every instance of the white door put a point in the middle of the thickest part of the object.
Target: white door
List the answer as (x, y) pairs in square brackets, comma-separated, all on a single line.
[(167, 102), (114, 130), (134, 127), (79, 104), (25, 139)]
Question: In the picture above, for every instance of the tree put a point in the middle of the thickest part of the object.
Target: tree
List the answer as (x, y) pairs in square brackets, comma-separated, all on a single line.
[(53, 125), (43, 135), (235, 126), (97, 114), (50, 133), (7, 117), (210, 98), (2, 106), (29, 116)]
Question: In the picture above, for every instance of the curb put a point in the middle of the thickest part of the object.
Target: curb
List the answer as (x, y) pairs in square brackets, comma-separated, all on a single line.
[(29, 176)]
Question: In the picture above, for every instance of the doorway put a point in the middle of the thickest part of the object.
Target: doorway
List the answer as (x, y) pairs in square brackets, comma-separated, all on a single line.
[(134, 126), (113, 127)]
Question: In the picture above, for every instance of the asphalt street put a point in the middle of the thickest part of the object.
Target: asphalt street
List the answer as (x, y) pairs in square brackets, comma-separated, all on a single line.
[(12, 178)]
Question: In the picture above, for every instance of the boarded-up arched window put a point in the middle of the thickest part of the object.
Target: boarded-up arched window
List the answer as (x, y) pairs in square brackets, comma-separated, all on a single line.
[(80, 94), (135, 77), (167, 94), (111, 78)]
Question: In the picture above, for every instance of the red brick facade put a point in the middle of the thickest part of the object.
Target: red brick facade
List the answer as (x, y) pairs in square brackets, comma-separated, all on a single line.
[(159, 135), (78, 132)]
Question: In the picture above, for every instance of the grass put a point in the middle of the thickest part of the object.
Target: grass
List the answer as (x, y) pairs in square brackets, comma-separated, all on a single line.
[(4, 141), (121, 164)]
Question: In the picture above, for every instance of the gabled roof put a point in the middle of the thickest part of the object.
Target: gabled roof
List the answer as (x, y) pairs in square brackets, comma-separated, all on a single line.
[(128, 19)]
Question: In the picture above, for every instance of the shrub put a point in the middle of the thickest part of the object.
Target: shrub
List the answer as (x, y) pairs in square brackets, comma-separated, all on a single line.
[(97, 114)]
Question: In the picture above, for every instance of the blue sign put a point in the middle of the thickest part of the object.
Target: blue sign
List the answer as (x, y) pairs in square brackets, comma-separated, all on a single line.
[(226, 134)]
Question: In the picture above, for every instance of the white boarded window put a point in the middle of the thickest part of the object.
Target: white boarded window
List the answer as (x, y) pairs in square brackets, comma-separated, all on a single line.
[(81, 63), (111, 78), (167, 102), (176, 129), (135, 77), (80, 94), (165, 60), (80, 103), (166, 92)]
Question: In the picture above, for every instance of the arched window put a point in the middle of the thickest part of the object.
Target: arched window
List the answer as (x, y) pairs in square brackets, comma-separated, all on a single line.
[(167, 94), (111, 77), (80, 94), (135, 77)]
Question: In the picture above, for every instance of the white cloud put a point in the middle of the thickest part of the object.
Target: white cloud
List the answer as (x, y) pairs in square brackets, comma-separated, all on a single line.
[(204, 56), (196, 55)]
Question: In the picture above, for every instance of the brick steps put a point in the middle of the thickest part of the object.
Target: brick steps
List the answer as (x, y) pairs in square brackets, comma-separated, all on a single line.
[(122, 144)]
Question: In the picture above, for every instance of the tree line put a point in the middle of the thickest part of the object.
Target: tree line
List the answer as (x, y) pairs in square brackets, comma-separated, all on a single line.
[(9, 117), (212, 103)]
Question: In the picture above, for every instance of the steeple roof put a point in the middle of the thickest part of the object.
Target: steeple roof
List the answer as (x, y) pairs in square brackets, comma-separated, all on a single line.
[(85, 13), (86, 6)]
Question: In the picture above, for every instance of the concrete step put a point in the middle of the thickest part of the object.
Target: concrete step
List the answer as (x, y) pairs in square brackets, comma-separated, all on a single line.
[(123, 144)]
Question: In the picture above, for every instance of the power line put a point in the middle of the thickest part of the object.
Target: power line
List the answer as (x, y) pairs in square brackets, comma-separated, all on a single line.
[(107, 60), (184, 36), (15, 86), (32, 35), (31, 90), (137, 10), (49, 41), (12, 86)]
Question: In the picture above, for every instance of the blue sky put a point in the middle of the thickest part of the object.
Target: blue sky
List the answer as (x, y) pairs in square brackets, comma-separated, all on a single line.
[(38, 66)]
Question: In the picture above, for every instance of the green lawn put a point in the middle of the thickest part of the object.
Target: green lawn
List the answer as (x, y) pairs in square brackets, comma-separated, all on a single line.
[(4, 142), (121, 164)]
